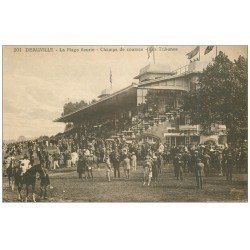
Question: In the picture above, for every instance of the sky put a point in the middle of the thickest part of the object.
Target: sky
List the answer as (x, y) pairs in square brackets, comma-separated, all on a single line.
[(36, 85)]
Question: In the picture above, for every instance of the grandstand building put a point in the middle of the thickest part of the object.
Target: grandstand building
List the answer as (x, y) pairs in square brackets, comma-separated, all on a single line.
[(149, 110)]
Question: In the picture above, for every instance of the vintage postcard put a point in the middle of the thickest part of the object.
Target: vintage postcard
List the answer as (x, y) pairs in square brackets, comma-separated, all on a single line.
[(150, 123)]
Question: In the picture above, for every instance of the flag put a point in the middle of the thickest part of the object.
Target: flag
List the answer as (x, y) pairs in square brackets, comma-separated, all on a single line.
[(208, 49), (149, 50), (193, 53), (110, 79)]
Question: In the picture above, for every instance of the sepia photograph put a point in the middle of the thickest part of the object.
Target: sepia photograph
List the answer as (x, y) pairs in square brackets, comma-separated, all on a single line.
[(149, 123), (124, 125)]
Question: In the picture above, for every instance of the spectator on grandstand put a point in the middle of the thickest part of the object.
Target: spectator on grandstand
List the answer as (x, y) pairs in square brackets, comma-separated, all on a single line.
[(161, 148)]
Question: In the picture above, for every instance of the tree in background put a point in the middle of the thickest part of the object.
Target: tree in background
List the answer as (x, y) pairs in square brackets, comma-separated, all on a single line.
[(93, 101), (71, 107), (221, 97), (74, 106)]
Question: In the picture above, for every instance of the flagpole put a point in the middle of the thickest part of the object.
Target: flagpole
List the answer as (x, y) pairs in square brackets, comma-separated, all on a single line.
[(110, 79), (154, 54)]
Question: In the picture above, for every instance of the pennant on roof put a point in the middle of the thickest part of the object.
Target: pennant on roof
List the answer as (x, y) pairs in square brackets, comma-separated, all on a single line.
[(110, 76), (208, 49), (193, 53), (149, 50)]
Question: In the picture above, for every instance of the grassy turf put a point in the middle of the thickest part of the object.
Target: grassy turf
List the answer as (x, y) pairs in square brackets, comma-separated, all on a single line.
[(68, 188)]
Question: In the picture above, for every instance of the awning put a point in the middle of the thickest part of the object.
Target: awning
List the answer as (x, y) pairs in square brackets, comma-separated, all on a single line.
[(124, 99)]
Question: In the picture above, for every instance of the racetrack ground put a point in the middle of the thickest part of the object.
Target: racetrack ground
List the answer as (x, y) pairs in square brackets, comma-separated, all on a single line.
[(67, 187)]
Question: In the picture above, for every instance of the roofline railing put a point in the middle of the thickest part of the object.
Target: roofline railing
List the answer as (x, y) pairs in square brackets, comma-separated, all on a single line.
[(181, 70)]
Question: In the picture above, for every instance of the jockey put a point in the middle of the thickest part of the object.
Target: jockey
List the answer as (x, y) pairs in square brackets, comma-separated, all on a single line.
[(9, 159), (25, 164), (7, 163)]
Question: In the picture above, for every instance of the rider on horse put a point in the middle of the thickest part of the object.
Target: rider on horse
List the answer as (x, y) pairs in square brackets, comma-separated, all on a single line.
[(25, 164), (8, 161)]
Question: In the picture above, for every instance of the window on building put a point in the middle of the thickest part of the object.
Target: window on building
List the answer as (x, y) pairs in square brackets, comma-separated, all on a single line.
[(168, 141), (171, 82), (173, 141), (169, 103), (141, 96), (139, 100), (179, 83), (187, 140), (164, 83), (179, 102), (187, 120)]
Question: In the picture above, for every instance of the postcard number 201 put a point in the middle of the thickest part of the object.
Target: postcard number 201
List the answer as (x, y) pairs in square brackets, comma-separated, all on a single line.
[(17, 50)]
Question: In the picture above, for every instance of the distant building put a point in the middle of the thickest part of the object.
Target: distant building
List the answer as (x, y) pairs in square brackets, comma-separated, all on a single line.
[(105, 93), (130, 109), (21, 138)]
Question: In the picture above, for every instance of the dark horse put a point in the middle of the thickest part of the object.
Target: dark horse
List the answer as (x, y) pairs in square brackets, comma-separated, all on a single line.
[(29, 179)]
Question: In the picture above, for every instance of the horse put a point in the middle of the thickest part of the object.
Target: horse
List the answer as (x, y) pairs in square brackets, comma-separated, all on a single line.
[(96, 160), (29, 179), (10, 171), (45, 182), (86, 164)]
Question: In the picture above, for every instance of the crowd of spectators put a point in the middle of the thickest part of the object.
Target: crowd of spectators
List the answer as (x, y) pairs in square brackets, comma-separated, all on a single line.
[(74, 149)]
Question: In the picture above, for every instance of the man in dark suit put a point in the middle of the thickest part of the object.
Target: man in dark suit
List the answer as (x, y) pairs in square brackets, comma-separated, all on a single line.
[(229, 163), (199, 170), (115, 158), (81, 166)]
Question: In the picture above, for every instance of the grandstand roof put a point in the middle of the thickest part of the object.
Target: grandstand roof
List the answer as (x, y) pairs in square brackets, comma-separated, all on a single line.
[(123, 98)]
